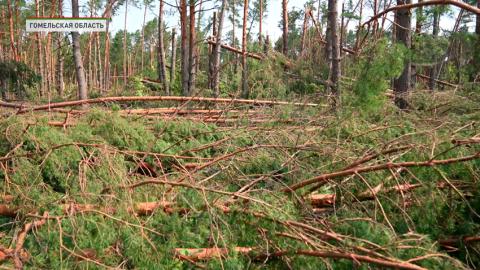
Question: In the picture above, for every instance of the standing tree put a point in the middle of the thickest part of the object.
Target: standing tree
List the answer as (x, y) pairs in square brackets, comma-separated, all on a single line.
[(215, 63), (476, 56), (285, 27), (192, 51), (436, 30), (60, 60), (333, 46), (402, 35), (162, 70), (245, 90), (125, 75), (77, 57), (173, 58), (184, 47)]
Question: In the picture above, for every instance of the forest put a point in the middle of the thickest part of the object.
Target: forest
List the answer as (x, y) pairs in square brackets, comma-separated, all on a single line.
[(344, 136)]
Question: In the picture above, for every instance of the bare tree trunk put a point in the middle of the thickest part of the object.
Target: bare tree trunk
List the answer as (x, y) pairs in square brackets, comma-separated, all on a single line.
[(99, 64), (359, 28), (401, 85), (12, 32), (197, 48), (162, 70), (2, 23), (260, 23), (418, 31), (142, 45), (19, 30), (434, 68), (192, 59), (342, 29), (285, 27), (245, 90), (216, 52), (335, 52), (235, 57), (40, 53), (477, 50), (173, 58), (304, 31), (211, 49), (184, 47), (77, 58), (125, 71), (60, 60)]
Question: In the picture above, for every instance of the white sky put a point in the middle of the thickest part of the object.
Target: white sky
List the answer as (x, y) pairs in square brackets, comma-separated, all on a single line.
[(135, 16), (271, 20)]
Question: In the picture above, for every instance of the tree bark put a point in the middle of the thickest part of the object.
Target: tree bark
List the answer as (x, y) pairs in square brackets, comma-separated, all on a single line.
[(125, 75), (192, 49), (245, 90), (333, 39), (142, 45), (184, 47), (260, 24), (285, 27), (304, 31), (12, 32), (403, 23), (162, 70), (40, 54), (477, 44), (60, 60), (77, 58), (216, 52), (434, 68), (173, 58)]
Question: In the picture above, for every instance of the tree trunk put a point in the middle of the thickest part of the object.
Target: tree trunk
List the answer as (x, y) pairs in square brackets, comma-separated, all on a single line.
[(12, 32), (162, 70), (434, 68), (173, 58), (477, 45), (40, 54), (77, 57), (401, 85), (245, 90), (192, 49), (60, 60), (216, 52), (125, 46), (334, 75), (235, 57), (260, 23), (142, 45), (304, 31), (184, 47), (285, 27)]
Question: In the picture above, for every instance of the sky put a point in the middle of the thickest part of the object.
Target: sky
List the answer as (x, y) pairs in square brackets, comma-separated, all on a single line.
[(135, 17), (270, 23)]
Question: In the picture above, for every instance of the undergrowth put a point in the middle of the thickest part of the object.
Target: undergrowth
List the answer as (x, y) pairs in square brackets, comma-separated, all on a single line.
[(97, 163)]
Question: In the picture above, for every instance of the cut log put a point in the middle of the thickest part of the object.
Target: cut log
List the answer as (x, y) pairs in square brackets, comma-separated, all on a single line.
[(200, 254)]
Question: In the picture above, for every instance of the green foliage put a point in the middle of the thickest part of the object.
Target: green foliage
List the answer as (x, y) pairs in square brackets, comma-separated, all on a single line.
[(383, 62), (18, 77)]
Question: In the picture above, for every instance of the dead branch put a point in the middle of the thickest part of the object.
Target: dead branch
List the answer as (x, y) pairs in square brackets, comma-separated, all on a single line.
[(456, 3), (237, 51), (196, 254), (390, 165), (437, 81), (24, 109), (22, 235)]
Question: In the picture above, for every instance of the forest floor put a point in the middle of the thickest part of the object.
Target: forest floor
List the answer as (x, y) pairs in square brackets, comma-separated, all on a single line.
[(144, 185)]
